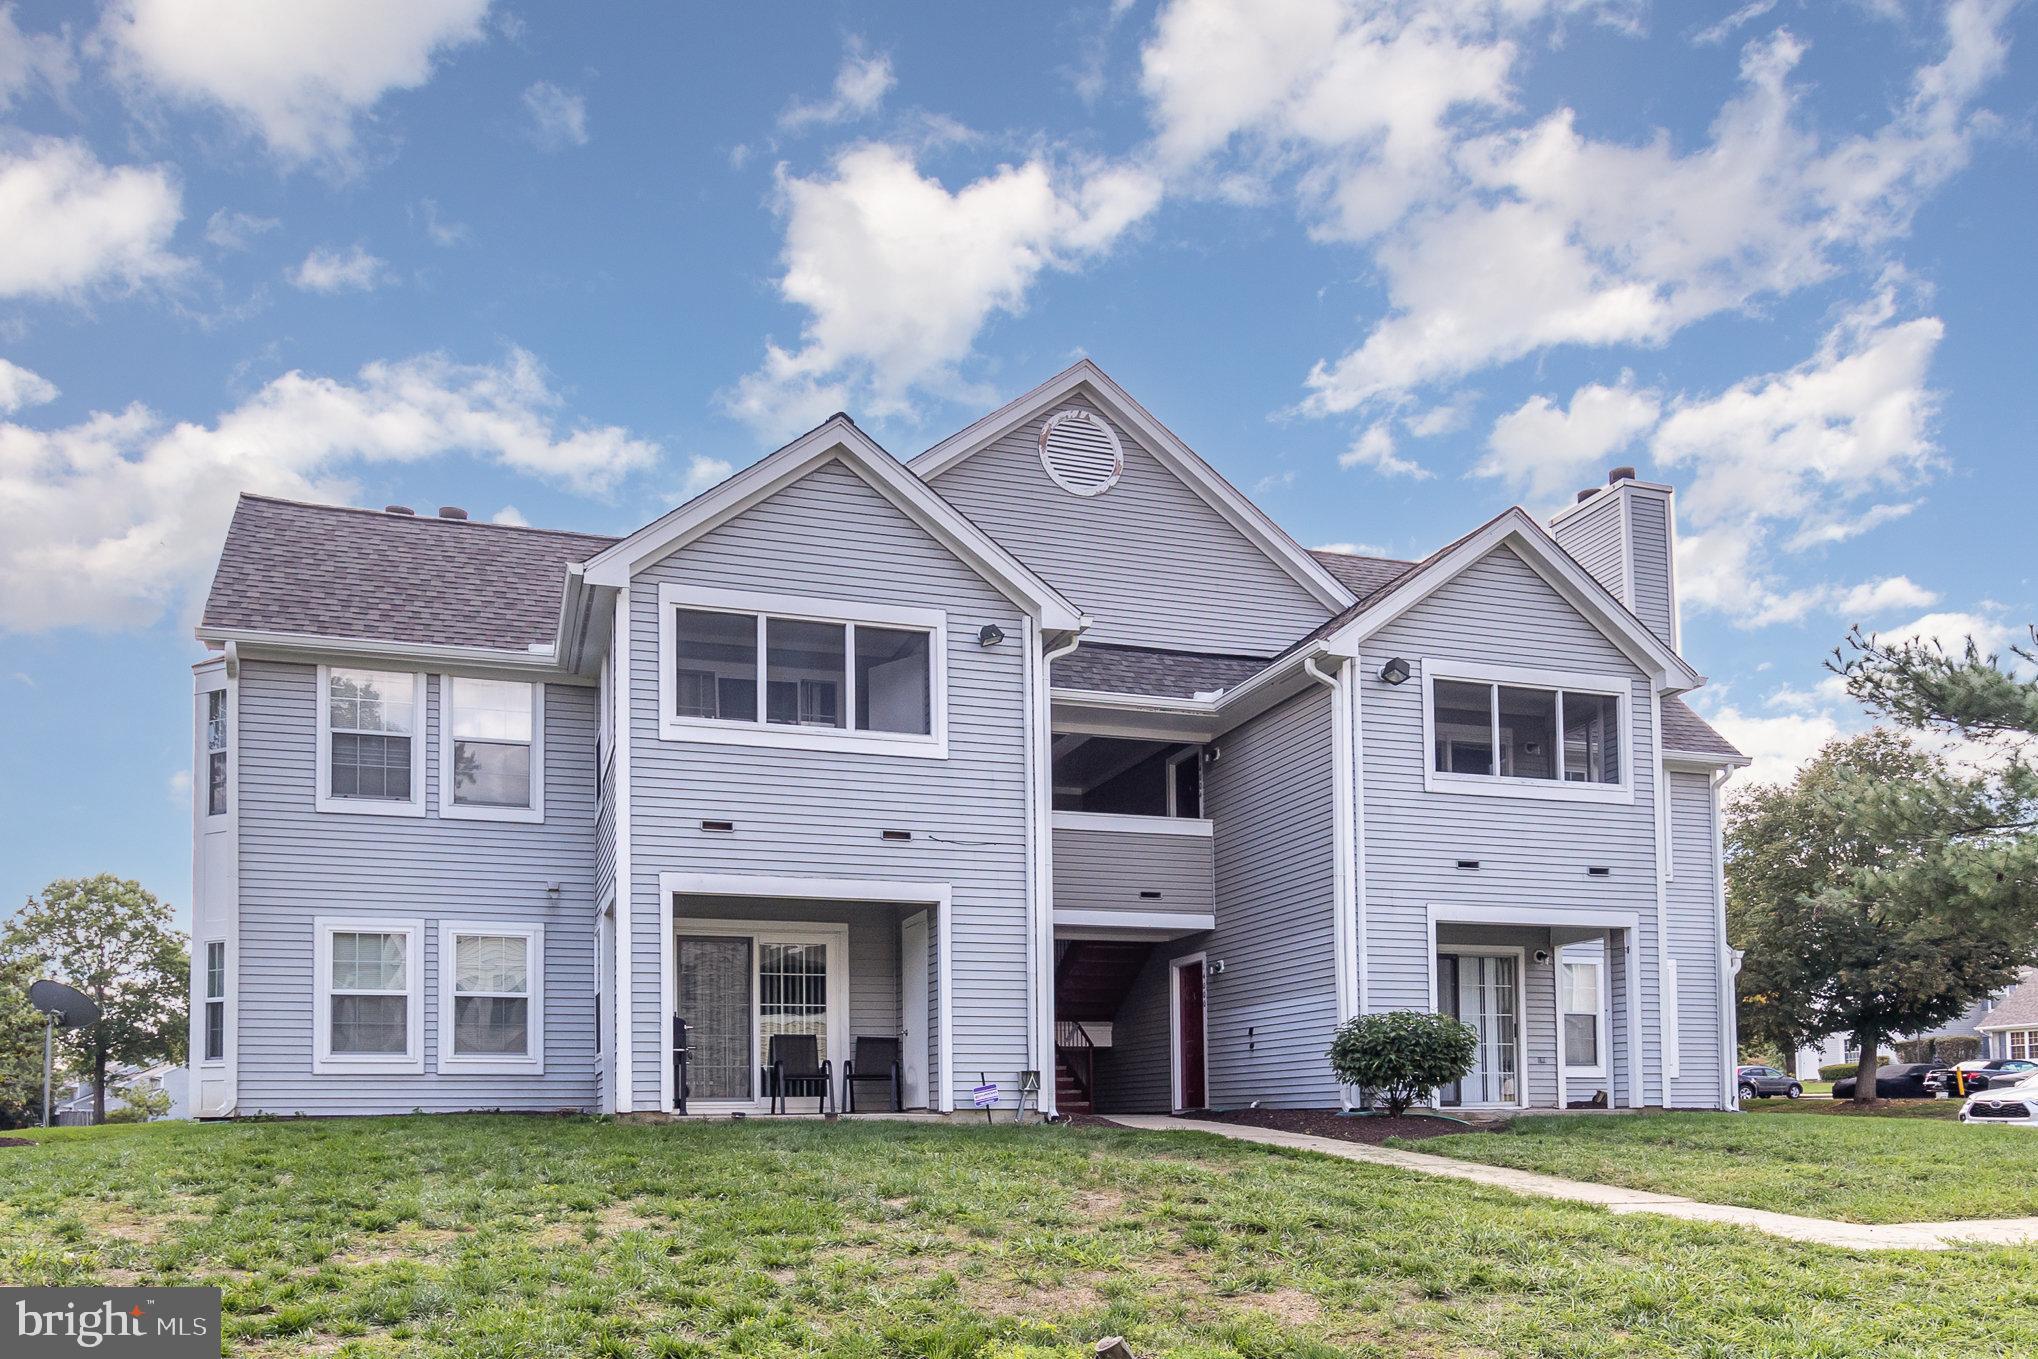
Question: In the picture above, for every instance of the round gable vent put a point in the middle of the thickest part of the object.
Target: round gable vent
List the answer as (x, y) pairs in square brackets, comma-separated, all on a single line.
[(1081, 452)]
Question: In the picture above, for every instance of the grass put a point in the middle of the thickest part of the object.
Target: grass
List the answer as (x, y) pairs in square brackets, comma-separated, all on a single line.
[(533, 1237), (1947, 1109), (1906, 1162)]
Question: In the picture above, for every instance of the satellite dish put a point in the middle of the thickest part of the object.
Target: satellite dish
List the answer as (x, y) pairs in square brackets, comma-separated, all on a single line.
[(70, 1007)]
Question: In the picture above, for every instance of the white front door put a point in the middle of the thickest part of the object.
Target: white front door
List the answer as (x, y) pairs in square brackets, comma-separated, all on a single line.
[(1489, 999), (913, 1026)]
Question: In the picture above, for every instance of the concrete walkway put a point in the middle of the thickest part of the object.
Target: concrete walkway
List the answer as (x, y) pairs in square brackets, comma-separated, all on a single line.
[(1817, 1230)]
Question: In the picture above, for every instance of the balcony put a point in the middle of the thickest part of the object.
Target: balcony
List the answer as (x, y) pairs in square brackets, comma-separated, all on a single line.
[(1132, 877)]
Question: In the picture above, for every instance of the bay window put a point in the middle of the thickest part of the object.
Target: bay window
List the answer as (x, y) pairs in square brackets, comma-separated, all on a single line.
[(491, 997), (368, 985), (492, 752), (215, 1001), (1525, 733), (370, 745), (773, 670)]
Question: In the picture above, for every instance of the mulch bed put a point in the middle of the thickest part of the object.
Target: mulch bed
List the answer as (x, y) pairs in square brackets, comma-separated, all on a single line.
[(1330, 1123), (15, 1142)]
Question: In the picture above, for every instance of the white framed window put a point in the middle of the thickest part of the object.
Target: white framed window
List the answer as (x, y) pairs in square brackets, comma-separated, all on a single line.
[(491, 997), (1581, 1000), (794, 672), (215, 752), (215, 1001), (2021, 1044), (371, 747), (368, 985), (1511, 732), (491, 749)]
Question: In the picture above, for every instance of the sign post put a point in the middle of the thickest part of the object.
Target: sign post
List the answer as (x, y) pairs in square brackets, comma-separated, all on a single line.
[(984, 1095)]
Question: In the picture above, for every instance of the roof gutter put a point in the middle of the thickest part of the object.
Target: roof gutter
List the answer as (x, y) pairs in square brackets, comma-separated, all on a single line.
[(311, 647), (1347, 943)]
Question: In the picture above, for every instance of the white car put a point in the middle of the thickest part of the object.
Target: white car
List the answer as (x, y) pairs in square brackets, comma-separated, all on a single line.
[(2014, 1106)]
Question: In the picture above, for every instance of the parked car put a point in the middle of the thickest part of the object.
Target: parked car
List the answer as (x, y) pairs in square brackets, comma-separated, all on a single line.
[(1905, 1080), (2001, 1072), (1760, 1082), (1941, 1082), (2014, 1106)]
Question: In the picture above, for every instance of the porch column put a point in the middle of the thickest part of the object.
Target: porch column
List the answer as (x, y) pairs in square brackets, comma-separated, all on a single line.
[(1557, 989)]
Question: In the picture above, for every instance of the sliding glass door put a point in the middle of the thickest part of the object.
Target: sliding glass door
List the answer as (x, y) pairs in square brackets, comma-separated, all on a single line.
[(739, 984), (715, 1001), (1484, 990)]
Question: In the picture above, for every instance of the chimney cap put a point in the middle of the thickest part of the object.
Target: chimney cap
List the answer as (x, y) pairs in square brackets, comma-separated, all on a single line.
[(398, 509), (1620, 474), (1587, 494), (451, 512)]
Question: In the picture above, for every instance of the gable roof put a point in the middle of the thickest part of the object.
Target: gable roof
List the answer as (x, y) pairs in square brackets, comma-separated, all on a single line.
[(837, 439), (2018, 1009), (1361, 575), (1199, 476), (1515, 528), (1686, 733), (1098, 667), (367, 575)]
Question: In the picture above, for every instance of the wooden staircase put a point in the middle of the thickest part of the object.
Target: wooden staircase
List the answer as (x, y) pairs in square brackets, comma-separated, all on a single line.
[(1091, 978)]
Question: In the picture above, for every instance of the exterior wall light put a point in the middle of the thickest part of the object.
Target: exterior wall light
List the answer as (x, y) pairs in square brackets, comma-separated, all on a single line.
[(1395, 671), (990, 634)]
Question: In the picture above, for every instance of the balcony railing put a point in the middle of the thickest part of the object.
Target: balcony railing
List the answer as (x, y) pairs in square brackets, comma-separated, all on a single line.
[(1155, 866)]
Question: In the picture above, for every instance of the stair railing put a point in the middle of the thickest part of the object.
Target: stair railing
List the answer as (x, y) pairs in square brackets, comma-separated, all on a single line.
[(1072, 1043)]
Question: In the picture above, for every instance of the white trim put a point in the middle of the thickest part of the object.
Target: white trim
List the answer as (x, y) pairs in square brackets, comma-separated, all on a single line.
[(1666, 970), (1170, 923), (1084, 416), (1595, 499), (1554, 917), (215, 889), (1673, 1065), (1637, 1061), (779, 886), (1159, 441), (605, 972), (760, 732), (1516, 529), (532, 1063), (1429, 670), (451, 810), (1343, 866), (625, 886), (420, 733), (1174, 762), (373, 653), (1175, 966), (1521, 1008), (836, 440), (1195, 827), (1702, 762), (834, 935), (206, 1000), (412, 1060), (1357, 777), (1730, 1019)]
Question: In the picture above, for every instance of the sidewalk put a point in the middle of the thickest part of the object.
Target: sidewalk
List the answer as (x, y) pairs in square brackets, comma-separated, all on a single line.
[(1816, 1230)]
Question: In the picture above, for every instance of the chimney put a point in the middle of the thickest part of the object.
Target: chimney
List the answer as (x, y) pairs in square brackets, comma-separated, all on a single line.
[(451, 512), (1625, 535), (398, 509)]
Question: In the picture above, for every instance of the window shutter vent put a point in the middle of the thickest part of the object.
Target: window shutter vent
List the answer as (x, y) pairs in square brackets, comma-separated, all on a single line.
[(1081, 452)]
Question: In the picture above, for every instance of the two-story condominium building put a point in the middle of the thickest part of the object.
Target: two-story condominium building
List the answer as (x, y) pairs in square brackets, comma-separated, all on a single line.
[(1044, 751)]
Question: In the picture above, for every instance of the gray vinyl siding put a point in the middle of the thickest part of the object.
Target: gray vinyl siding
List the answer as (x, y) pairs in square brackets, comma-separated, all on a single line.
[(1103, 870), (1650, 534), (297, 863), (1531, 852), (820, 813), (1271, 1012), (1695, 944), (1149, 560), (1593, 538)]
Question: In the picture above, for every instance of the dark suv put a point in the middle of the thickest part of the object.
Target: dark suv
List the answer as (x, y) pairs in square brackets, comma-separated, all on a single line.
[(1975, 1076), (1760, 1082)]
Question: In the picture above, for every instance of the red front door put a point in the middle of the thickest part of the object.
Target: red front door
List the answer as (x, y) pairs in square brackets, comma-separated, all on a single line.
[(1189, 1036)]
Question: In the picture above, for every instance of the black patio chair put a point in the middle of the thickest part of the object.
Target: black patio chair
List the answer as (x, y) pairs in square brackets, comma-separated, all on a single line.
[(798, 1069), (875, 1062)]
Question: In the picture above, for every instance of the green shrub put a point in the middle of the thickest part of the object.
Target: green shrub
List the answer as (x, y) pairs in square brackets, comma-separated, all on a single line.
[(1400, 1056), (1838, 1071)]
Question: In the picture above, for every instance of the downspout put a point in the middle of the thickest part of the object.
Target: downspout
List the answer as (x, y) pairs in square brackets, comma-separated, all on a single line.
[(1730, 1015), (1671, 1059), (1040, 835), (1343, 825)]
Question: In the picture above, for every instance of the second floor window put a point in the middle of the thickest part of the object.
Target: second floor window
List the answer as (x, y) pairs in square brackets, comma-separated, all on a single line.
[(492, 730), (1525, 732), (801, 672), (215, 753), (371, 727)]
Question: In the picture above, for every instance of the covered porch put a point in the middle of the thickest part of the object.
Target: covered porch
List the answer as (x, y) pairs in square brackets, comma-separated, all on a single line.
[(1553, 1001), (809, 980)]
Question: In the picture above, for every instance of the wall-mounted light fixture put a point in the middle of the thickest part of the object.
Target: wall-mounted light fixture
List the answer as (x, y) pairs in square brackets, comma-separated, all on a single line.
[(1395, 671), (990, 634)]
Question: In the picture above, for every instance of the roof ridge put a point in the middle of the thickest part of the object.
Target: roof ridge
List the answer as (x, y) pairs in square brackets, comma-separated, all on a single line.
[(1359, 556), (425, 518)]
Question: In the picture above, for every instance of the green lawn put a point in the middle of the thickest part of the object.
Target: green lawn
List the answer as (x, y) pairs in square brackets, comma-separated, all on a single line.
[(528, 1237), (1901, 1163), (1946, 1109)]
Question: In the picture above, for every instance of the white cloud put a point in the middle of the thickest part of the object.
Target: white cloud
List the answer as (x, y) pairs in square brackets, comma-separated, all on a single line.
[(1374, 448), (72, 225), (1952, 631), (109, 522), (511, 515), (231, 230), (1825, 531), (178, 787), (299, 75), (31, 59), (1884, 596), (558, 116), (1539, 235), (1353, 549), (703, 472), (898, 275), (1274, 481), (439, 229), (861, 84), (20, 388), (1779, 746), (327, 270), (1548, 449), (1722, 30)]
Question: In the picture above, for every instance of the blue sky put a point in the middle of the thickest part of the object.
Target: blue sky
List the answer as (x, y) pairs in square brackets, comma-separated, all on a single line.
[(1389, 267)]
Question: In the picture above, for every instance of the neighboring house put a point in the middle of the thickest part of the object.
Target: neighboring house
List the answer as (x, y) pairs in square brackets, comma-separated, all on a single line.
[(1046, 750), (73, 1105), (2006, 1025)]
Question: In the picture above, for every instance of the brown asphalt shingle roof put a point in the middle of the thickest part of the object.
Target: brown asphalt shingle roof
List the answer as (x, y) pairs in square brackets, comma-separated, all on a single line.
[(1151, 672), (332, 571), (1361, 575), (2018, 1009), (1684, 730)]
